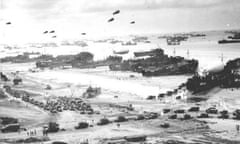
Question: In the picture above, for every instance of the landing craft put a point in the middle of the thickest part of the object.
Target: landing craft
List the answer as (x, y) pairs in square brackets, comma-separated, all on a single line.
[(45, 32), (111, 19), (8, 23), (54, 36), (52, 31), (132, 22), (116, 12)]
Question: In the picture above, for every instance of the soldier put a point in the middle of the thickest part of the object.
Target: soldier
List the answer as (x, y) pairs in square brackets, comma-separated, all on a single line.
[(46, 133), (237, 128), (43, 132), (118, 125)]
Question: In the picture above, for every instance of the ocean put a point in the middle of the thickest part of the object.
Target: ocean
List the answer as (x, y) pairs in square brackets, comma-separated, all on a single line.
[(205, 49)]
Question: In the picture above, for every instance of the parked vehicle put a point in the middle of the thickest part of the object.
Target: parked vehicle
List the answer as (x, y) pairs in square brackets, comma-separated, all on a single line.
[(11, 128)]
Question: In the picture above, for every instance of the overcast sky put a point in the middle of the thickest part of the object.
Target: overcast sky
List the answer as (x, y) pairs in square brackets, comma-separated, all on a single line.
[(72, 17)]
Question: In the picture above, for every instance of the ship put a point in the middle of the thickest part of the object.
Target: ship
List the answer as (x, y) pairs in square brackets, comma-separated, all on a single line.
[(148, 53), (236, 35), (121, 52), (129, 43), (227, 76), (157, 64), (197, 35), (231, 39), (173, 41), (226, 41), (179, 68), (176, 40)]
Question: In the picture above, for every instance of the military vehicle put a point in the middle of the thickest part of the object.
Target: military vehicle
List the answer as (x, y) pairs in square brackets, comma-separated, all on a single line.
[(11, 128), (91, 92)]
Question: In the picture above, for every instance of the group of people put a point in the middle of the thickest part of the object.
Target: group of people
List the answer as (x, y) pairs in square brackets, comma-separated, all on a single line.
[(44, 132), (31, 132)]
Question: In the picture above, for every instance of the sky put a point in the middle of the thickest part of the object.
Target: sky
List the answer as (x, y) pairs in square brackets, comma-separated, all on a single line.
[(69, 18)]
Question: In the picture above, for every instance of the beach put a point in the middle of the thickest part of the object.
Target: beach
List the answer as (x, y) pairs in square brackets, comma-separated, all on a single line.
[(129, 90)]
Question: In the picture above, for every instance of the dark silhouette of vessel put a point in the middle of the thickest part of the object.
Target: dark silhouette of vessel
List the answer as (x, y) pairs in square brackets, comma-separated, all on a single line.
[(156, 64), (176, 40), (229, 41), (149, 53), (228, 77)]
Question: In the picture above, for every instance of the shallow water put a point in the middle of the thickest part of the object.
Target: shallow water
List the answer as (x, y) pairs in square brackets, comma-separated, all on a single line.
[(205, 49)]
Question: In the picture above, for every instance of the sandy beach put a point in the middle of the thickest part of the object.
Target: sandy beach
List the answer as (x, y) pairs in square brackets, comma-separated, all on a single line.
[(129, 90)]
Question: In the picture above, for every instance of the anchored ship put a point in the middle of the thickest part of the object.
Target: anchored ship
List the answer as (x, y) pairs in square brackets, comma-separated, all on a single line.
[(157, 64), (225, 77), (121, 52), (231, 39), (153, 52)]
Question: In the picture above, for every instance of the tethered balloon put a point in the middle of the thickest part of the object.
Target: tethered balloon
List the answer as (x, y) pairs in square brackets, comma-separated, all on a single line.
[(116, 12), (132, 22), (111, 19)]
